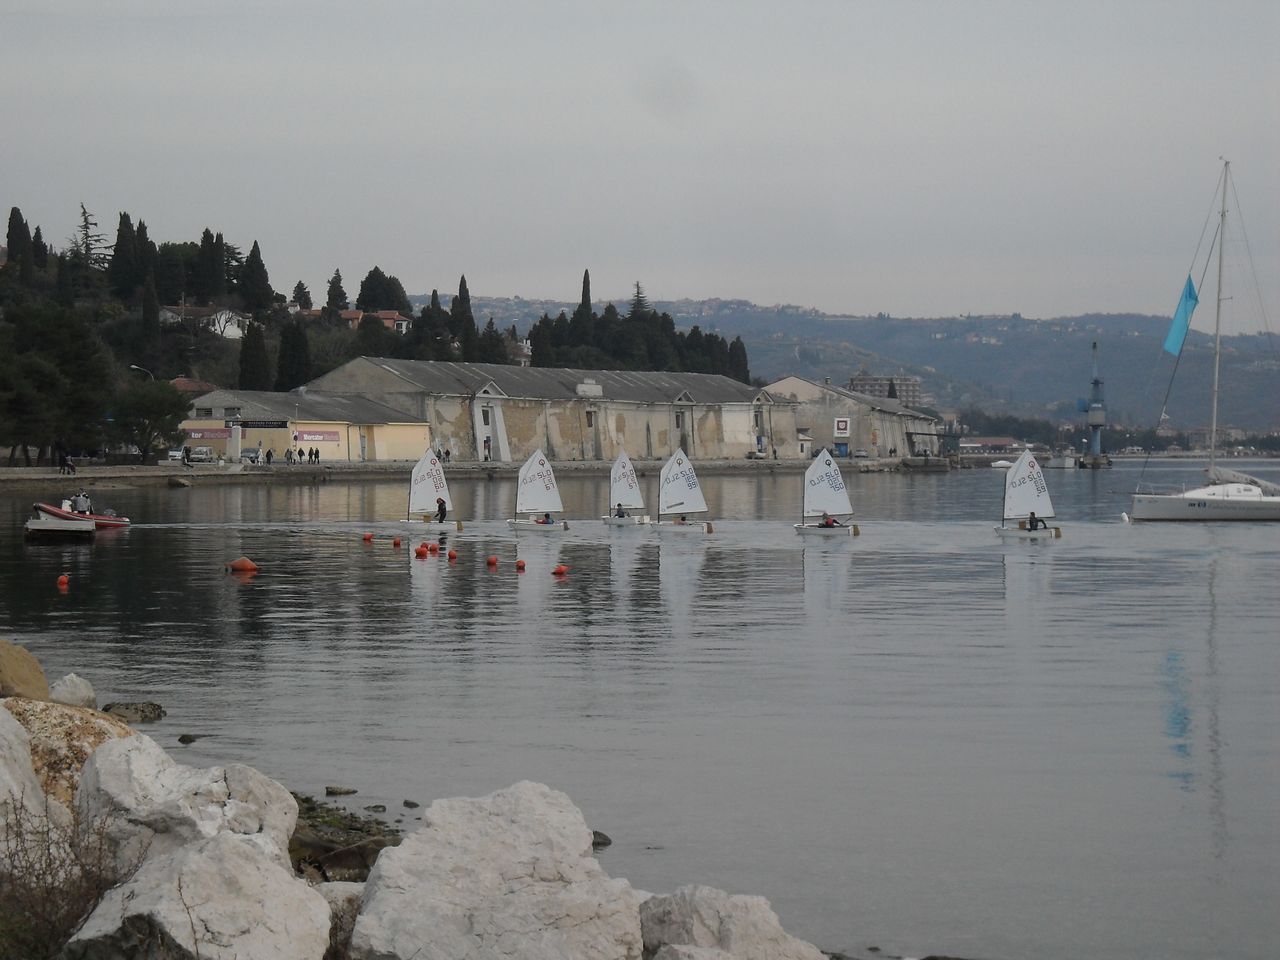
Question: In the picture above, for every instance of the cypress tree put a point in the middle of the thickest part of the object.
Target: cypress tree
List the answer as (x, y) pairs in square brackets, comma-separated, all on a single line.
[(208, 268), (39, 250), (301, 295), (255, 367), (151, 316), (123, 268), (460, 315), (738, 367), (293, 366), (583, 321), (146, 253), (255, 286), (16, 237), (227, 274), (337, 297), (893, 390)]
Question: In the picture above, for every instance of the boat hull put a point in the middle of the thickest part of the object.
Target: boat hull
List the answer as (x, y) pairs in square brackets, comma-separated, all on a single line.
[(816, 530), (689, 526), (1021, 533), (56, 528), (1193, 506), (624, 521), (531, 525), (101, 521)]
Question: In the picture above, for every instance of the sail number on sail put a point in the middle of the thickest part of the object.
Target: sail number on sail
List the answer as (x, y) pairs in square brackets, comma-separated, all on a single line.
[(1032, 476), (829, 478), (542, 476)]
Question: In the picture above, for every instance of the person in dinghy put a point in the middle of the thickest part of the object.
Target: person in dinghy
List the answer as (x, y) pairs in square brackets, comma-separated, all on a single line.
[(830, 521)]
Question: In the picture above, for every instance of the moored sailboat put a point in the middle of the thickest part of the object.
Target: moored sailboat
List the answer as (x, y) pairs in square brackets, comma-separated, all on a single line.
[(680, 494), (826, 498), (538, 495), (1026, 502), (624, 494), (1229, 494)]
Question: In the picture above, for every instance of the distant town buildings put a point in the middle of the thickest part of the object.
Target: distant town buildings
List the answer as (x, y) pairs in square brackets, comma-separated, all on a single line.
[(906, 390)]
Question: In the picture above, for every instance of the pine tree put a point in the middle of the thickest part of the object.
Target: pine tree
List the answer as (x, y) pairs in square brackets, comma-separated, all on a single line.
[(255, 367), (92, 244), (123, 268), (255, 287), (337, 297), (639, 305), (301, 295), (491, 346)]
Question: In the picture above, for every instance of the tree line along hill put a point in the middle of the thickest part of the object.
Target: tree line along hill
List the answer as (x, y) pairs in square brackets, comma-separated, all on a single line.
[(85, 359)]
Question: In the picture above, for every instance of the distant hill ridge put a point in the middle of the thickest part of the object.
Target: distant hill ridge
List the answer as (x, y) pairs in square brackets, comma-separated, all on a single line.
[(1031, 367)]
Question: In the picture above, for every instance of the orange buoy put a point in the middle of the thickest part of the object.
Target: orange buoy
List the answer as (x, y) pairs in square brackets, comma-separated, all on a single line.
[(453, 554), (420, 552), (491, 561), (242, 564), (396, 542), (64, 581), (368, 538), (520, 565), (433, 547), (559, 570)]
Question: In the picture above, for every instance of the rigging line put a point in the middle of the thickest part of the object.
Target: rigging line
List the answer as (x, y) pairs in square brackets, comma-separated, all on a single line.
[(1168, 390), (1253, 271)]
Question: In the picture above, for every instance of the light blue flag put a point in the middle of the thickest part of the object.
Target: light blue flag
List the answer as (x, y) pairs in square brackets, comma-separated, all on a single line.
[(1181, 319)]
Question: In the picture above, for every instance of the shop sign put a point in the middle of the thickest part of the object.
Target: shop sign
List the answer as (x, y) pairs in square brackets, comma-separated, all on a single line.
[(209, 433), (319, 436)]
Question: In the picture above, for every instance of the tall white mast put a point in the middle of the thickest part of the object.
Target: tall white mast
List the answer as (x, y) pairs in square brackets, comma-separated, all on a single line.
[(1217, 317)]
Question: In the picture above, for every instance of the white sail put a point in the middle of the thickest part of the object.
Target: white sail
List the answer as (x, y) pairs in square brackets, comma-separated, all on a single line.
[(426, 484), (1025, 491), (537, 491), (824, 489), (624, 488), (678, 489)]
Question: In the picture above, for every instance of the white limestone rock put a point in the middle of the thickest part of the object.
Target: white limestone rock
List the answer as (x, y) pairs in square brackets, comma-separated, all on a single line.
[(18, 783), (218, 898), (745, 928), (674, 952), (344, 898), (74, 691), (503, 877), (154, 804)]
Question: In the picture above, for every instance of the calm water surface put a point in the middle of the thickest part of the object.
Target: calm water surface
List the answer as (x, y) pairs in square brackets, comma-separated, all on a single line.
[(923, 739)]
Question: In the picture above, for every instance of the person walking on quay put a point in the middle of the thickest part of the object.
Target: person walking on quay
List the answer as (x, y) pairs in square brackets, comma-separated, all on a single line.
[(271, 452), (288, 456)]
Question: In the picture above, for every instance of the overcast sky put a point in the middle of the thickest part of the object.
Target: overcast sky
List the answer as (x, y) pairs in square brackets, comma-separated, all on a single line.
[(921, 159)]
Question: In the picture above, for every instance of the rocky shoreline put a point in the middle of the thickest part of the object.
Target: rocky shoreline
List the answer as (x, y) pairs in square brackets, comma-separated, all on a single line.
[(164, 861)]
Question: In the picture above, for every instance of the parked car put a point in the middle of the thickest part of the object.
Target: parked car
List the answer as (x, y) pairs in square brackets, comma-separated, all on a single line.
[(861, 454), (202, 455), (175, 453), (249, 456)]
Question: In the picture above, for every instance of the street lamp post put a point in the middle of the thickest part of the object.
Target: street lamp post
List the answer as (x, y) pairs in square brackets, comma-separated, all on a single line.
[(134, 366)]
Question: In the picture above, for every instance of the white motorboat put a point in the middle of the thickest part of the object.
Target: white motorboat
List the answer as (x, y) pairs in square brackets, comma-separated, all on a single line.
[(538, 496), (624, 494), (1026, 502), (826, 498), (680, 494), (1229, 495)]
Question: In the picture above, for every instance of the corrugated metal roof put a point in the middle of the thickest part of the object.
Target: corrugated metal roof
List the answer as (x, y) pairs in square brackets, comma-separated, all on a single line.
[(304, 405), (561, 383), (875, 403)]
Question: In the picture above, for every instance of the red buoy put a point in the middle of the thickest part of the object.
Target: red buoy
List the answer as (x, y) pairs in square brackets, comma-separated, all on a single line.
[(520, 565), (453, 554), (433, 547), (64, 581), (395, 542), (420, 552), (242, 565), (491, 561), (368, 538), (559, 570)]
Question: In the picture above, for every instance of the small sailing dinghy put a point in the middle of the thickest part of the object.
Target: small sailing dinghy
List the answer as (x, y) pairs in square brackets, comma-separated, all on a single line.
[(538, 496), (679, 494), (428, 490), (624, 494), (1026, 495), (826, 498)]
